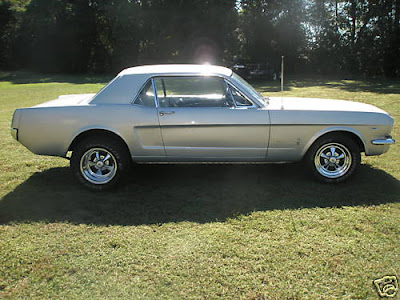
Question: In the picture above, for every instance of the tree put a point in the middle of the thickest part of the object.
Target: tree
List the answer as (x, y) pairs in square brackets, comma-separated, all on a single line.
[(328, 36), (11, 14), (187, 31), (270, 29)]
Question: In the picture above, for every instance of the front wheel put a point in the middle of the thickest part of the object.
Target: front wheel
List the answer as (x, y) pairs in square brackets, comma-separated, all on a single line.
[(333, 159), (99, 163)]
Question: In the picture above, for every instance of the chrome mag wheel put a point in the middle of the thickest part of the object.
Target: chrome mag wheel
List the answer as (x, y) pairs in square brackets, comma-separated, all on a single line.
[(98, 165), (333, 160)]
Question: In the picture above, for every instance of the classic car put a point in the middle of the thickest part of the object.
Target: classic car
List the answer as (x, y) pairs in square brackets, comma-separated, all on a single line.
[(198, 113)]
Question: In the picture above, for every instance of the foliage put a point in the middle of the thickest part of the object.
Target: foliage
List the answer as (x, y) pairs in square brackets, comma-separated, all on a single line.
[(356, 36), (270, 29), (321, 36)]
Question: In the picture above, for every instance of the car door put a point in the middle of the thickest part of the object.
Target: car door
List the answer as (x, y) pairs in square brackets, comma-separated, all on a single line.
[(205, 118), (147, 141)]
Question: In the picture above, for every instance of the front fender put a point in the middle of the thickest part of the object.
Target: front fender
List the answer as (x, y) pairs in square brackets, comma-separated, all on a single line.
[(334, 129)]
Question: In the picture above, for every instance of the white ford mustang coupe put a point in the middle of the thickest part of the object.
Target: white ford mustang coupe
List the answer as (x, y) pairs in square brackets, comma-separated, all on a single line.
[(198, 113)]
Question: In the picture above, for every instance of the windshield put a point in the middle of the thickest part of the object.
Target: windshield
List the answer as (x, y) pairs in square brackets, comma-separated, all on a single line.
[(250, 89)]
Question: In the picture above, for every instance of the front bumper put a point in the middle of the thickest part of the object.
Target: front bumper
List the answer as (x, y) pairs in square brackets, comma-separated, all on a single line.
[(386, 141), (14, 133)]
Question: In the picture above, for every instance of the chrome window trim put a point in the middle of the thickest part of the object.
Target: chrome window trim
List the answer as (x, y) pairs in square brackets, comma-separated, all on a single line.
[(155, 92)]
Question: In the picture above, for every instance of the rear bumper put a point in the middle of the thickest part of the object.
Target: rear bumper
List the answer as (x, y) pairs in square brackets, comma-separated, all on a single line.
[(14, 133), (387, 141)]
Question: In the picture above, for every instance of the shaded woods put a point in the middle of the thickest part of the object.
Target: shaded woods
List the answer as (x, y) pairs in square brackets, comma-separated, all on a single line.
[(357, 37)]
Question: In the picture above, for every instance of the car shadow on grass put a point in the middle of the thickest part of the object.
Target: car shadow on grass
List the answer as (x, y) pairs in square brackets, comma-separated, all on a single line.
[(156, 194)]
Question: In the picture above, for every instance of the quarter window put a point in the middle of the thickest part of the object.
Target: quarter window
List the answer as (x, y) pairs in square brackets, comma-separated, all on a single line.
[(239, 98), (195, 91), (146, 96)]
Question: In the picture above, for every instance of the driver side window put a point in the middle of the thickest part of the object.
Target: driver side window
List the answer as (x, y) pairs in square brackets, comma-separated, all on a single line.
[(192, 91)]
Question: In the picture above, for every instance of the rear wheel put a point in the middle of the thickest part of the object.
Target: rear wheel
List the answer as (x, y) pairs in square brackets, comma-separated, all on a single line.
[(333, 159), (99, 162)]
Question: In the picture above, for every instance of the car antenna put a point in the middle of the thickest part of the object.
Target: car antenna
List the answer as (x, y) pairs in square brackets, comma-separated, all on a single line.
[(282, 66)]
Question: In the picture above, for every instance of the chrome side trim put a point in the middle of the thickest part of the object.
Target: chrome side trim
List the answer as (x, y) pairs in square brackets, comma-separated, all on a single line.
[(214, 148), (209, 125), (387, 141), (153, 84), (14, 133)]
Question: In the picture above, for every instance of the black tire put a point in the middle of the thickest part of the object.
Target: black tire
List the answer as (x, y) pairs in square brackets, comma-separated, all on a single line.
[(333, 158), (99, 163)]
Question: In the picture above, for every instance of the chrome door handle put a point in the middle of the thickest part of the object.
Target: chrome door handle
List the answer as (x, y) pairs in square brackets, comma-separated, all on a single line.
[(162, 113)]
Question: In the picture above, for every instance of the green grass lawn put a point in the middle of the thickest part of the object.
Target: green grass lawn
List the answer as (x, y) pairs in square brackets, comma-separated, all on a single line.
[(195, 231)]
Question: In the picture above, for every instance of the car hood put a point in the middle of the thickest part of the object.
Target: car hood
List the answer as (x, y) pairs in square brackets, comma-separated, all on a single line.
[(68, 100), (316, 104)]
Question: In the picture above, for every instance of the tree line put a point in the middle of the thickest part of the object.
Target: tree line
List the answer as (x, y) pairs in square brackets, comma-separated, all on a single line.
[(360, 37)]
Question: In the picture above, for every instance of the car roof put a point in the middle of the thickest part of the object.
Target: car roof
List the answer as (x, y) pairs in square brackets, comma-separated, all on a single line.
[(169, 69), (128, 83)]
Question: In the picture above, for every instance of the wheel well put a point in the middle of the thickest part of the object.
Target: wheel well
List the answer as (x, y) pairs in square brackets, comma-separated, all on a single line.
[(97, 132), (348, 134)]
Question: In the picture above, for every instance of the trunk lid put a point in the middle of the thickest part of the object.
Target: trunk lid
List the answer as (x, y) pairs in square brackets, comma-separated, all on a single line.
[(68, 100)]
